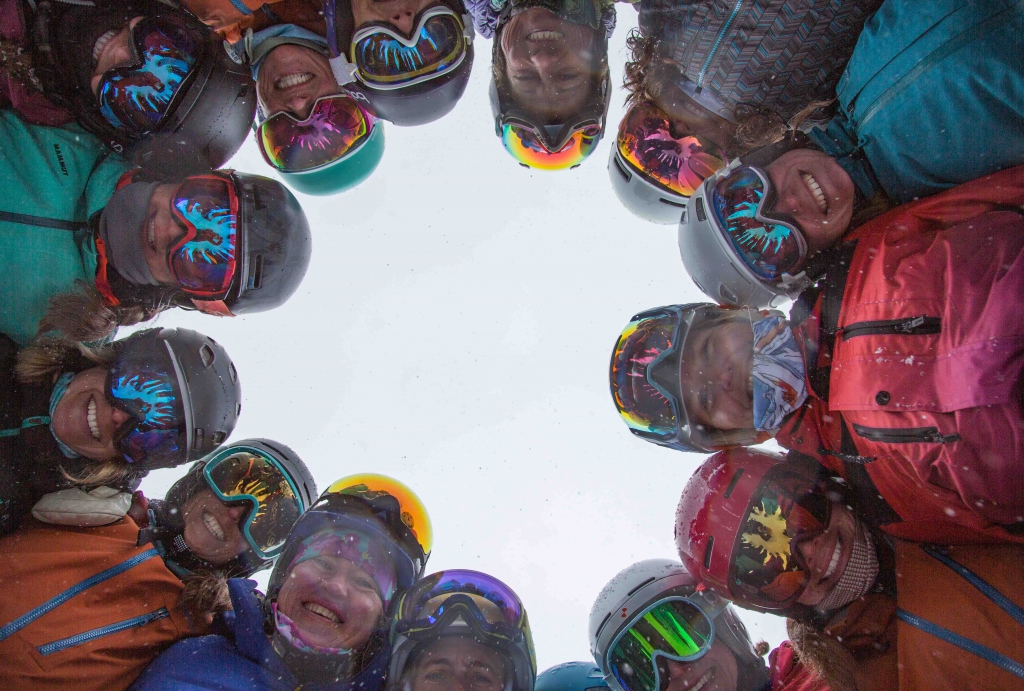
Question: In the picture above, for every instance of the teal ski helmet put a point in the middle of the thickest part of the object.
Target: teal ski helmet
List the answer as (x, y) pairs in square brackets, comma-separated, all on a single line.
[(572, 676), (343, 174)]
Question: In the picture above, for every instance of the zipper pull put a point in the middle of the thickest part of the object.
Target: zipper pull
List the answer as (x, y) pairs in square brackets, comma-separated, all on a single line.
[(910, 324)]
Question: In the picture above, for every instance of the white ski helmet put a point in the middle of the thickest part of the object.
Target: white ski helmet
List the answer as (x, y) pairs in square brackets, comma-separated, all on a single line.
[(644, 198)]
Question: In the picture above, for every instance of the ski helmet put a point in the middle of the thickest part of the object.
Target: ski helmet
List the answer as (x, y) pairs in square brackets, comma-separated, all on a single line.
[(199, 125), (267, 476), (740, 519), (181, 391), (635, 605), (382, 508), (460, 602), (645, 378), (571, 676)]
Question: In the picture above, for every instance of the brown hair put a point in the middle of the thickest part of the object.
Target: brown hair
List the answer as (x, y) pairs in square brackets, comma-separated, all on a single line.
[(204, 595), (82, 315)]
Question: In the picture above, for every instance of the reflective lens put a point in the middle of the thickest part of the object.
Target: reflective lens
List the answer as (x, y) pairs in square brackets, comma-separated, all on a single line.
[(139, 96), (649, 337), (249, 476), (527, 148), (766, 564), (770, 247), (335, 127), (679, 165), (673, 628), (414, 514), (203, 259), (386, 58), (148, 390), (492, 603)]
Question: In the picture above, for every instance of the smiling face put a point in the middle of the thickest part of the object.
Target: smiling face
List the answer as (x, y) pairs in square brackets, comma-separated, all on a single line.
[(827, 554), (211, 527), (550, 63), (159, 232), (816, 192), (333, 602), (291, 78), (84, 420), (457, 663), (716, 671), (715, 376), (112, 49), (216, 14)]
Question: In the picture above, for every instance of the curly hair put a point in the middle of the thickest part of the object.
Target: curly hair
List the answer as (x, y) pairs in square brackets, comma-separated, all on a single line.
[(82, 315)]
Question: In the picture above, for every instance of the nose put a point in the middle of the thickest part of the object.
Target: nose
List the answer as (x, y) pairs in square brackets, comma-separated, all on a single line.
[(545, 55), (118, 416), (300, 105), (235, 511), (676, 669), (809, 549), (403, 20)]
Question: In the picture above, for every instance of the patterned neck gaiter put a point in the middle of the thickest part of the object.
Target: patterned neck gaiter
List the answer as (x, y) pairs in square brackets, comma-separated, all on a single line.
[(59, 389), (860, 574), (778, 373)]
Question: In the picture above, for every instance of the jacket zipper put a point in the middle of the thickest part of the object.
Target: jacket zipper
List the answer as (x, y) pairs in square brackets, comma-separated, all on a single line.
[(714, 48), (79, 638), (908, 326), (905, 435), (42, 221)]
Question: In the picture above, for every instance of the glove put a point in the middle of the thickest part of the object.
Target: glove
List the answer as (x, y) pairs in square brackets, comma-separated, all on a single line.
[(75, 506)]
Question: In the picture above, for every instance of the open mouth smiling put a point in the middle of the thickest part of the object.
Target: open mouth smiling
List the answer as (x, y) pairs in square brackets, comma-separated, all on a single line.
[(321, 611), (816, 192), (292, 80), (213, 526), (94, 427)]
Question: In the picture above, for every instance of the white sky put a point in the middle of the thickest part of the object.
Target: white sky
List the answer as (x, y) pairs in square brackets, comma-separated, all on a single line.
[(454, 331)]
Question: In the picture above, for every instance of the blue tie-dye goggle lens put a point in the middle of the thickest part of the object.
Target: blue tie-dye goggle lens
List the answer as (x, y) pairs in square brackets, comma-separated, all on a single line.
[(138, 96), (771, 244), (203, 259), (145, 386)]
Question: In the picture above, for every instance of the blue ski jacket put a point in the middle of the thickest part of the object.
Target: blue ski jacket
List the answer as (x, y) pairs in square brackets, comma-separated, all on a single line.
[(244, 662), (933, 96)]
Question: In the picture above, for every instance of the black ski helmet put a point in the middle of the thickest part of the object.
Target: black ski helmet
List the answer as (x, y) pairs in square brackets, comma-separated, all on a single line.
[(208, 118), (206, 379)]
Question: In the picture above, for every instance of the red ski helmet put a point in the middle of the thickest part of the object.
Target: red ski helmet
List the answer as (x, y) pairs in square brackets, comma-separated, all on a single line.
[(740, 519)]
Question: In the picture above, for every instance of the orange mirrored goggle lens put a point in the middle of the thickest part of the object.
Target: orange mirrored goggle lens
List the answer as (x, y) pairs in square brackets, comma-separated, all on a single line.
[(414, 513)]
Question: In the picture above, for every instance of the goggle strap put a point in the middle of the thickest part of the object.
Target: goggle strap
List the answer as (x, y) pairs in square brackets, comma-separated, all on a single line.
[(344, 71), (468, 30), (216, 308)]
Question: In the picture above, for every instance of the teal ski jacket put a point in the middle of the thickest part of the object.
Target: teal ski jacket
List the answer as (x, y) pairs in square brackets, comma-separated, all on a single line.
[(53, 181)]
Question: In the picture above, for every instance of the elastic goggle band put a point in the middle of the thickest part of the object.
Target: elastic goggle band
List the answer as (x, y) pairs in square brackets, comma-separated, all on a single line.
[(204, 260), (336, 127)]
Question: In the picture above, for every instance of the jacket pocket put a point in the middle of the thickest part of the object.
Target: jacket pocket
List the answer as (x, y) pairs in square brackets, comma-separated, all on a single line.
[(905, 435), (109, 629), (908, 326)]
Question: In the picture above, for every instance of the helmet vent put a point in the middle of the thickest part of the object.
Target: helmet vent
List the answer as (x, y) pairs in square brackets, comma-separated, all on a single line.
[(649, 580), (701, 215), (622, 171), (197, 439), (256, 279), (232, 372), (218, 438), (732, 483), (707, 552), (207, 355)]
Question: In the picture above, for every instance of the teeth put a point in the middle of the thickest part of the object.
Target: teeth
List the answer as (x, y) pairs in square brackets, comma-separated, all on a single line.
[(544, 36), (322, 611), (101, 43), (815, 188), (290, 80), (94, 428), (834, 563), (152, 232), (213, 526), (703, 681)]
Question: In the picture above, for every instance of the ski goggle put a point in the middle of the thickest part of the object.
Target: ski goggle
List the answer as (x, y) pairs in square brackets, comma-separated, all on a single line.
[(678, 165), (769, 243), (527, 148), (336, 126), (144, 385), (203, 260), (369, 486), (767, 568), (673, 628), (385, 59), (243, 474), (139, 96), (440, 598)]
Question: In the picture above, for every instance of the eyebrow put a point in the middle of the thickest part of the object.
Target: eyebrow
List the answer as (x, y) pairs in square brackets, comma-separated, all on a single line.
[(446, 661)]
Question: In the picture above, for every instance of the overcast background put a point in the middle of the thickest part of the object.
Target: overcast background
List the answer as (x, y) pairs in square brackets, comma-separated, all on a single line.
[(454, 331)]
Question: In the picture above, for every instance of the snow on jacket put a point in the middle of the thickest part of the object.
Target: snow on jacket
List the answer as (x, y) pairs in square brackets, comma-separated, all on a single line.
[(779, 54), (955, 623), (921, 386), (788, 673), (83, 608), (19, 86), (933, 95), (54, 180), (485, 15), (246, 662)]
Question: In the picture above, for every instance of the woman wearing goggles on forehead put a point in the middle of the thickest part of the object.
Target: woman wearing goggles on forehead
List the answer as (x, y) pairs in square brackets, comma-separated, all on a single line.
[(322, 623), (867, 611), (137, 591)]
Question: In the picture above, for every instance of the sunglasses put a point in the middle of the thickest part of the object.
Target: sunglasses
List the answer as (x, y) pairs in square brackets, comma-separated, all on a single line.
[(140, 95), (336, 126), (203, 260), (679, 165), (529, 149)]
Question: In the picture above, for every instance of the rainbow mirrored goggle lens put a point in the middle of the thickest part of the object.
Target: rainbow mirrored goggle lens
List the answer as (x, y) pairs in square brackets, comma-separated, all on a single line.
[(413, 513), (246, 475), (203, 260), (770, 245), (679, 165), (767, 569), (527, 148), (336, 126), (138, 97), (145, 386), (439, 596), (386, 59), (648, 338), (673, 628)]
